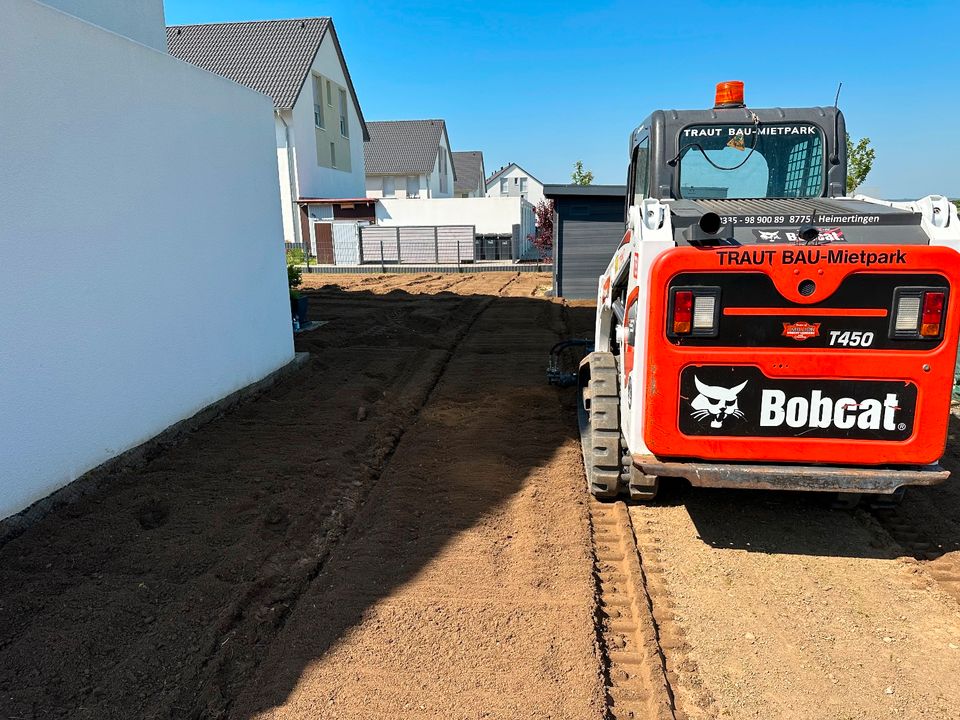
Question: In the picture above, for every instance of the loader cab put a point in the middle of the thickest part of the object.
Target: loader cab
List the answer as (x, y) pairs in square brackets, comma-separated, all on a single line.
[(735, 152)]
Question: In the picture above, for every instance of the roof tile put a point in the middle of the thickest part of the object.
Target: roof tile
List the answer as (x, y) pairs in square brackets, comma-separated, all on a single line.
[(272, 56), (469, 171), (403, 147)]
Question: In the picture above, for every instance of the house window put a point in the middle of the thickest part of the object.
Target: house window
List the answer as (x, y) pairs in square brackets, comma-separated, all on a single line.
[(504, 186), (413, 186), (443, 170), (389, 187), (329, 94), (333, 155), (344, 130), (317, 103), (523, 184)]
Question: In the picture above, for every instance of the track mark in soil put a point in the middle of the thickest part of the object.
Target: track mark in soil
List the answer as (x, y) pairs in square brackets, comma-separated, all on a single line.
[(690, 699), (464, 589), (268, 604), (508, 283), (636, 671)]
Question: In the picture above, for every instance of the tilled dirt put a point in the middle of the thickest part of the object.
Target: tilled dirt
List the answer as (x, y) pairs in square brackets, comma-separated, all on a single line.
[(461, 589), (401, 530), (407, 506), (777, 606)]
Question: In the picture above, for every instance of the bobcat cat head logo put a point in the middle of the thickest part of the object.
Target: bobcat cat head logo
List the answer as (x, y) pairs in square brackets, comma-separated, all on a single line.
[(715, 402), (769, 236)]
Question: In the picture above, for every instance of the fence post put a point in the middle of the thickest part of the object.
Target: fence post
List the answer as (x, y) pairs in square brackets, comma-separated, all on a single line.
[(436, 246), (398, 245), (383, 268), (359, 244)]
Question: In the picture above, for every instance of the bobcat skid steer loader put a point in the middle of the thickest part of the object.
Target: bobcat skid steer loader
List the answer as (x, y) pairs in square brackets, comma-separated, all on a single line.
[(758, 329)]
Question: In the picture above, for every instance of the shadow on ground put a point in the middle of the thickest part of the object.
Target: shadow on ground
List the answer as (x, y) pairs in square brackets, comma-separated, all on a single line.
[(807, 523), (417, 417)]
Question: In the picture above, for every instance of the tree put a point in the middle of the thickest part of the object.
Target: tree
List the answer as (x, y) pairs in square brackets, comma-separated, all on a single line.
[(579, 176), (542, 239), (860, 159)]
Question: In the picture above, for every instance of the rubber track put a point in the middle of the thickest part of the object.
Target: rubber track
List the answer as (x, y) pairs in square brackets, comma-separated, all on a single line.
[(635, 667), (604, 456)]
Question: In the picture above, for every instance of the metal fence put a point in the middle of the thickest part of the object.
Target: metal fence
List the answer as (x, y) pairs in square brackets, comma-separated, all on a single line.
[(438, 244), (350, 244)]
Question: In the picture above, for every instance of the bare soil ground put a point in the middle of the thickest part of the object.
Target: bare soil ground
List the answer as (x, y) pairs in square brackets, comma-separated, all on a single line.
[(401, 530), (397, 530), (777, 606)]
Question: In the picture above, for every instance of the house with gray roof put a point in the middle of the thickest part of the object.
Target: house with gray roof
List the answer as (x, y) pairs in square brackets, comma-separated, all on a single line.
[(320, 129), (513, 181), (470, 174), (409, 159)]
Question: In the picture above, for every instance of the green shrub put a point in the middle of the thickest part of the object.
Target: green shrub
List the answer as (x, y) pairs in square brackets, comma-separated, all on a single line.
[(296, 256), (294, 277)]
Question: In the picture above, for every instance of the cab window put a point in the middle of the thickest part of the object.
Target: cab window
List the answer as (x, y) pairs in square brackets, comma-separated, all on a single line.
[(641, 164), (778, 160)]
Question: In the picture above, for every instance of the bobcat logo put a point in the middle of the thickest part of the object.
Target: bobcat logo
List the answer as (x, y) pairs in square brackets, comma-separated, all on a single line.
[(715, 402), (769, 236)]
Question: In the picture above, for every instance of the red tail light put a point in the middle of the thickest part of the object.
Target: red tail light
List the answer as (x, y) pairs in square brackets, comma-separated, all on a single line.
[(682, 312), (694, 310), (917, 313), (932, 316)]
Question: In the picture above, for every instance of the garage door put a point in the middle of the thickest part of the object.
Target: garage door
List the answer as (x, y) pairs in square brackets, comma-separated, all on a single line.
[(587, 246)]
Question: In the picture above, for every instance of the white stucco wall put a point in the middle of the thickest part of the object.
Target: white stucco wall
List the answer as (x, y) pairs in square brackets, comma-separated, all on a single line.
[(489, 215), (286, 161), (140, 20), (434, 180), (141, 267), (315, 180)]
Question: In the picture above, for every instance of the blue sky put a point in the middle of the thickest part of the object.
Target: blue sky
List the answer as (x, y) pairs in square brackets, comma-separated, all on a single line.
[(546, 83)]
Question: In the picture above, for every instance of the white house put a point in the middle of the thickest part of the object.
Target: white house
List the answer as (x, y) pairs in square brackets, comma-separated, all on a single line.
[(471, 174), (409, 159), (152, 182), (513, 181), (320, 130)]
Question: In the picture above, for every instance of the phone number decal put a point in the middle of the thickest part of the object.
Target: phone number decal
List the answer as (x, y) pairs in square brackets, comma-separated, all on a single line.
[(816, 219), (765, 219)]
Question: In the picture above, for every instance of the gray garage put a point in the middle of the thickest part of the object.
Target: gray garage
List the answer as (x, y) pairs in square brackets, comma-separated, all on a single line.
[(588, 228)]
